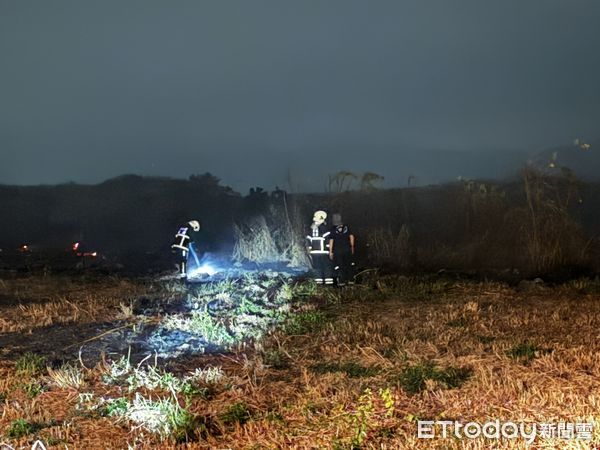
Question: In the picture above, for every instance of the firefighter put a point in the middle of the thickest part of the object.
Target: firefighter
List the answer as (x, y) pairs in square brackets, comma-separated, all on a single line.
[(183, 244), (341, 251), (317, 246)]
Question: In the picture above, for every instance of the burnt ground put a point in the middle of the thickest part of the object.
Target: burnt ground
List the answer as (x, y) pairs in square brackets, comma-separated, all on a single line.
[(54, 315), (87, 315)]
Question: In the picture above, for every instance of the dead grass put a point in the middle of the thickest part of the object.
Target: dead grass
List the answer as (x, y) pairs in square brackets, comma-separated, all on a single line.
[(34, 302), (388, 247), (476, 351), (271, 238)]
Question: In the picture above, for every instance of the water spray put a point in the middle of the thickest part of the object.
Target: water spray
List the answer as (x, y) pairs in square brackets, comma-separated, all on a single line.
[(204, 268)]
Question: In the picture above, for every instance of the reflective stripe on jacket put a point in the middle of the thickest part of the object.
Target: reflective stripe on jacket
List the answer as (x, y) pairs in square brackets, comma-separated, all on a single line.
[(318, 239)]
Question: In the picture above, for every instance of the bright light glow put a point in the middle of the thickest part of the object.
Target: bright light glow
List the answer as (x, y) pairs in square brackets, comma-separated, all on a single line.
[(75, 246), (204, 269)]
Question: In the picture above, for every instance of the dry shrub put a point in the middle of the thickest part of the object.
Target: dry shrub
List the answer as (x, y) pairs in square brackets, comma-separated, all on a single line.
[(67, 376), (387, 246), (550, 241), (254, 242), (270, 239), (551, 237)]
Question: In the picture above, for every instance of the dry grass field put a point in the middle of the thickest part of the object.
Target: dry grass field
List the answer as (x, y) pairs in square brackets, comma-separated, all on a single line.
[(352, 368)]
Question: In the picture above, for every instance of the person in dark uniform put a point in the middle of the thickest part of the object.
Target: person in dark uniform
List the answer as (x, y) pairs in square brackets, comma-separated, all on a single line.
[(341, 251), (183, 242), (317, 246)]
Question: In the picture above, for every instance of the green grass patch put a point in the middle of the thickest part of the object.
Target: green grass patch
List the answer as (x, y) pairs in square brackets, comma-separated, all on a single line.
[(190, 391), (274, 416), (276, 359), (486, 339), (21, 427), (352, 369), (251, 307), (201, 323), (304, 289), (413, 378), (525, 352), (183, 424), (236, 413), (30, 364), (32, 389), (305, 322), (116, 407)]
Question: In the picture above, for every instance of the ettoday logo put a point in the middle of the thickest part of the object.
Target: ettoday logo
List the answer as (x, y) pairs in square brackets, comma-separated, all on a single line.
[(495, 429)]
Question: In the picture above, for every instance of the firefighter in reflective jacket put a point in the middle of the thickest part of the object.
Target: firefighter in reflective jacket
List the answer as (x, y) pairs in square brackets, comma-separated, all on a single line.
[(184, 240), (318, 248)]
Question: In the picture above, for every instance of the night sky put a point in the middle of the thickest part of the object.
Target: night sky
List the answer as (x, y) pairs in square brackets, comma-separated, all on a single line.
[(254, 90)]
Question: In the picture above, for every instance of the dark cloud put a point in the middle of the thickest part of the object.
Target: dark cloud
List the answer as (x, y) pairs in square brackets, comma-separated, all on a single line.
[(251, 90)]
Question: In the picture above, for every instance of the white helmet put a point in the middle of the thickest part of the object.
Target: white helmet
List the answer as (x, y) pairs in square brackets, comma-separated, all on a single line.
[(194, 224), (319, 217)]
